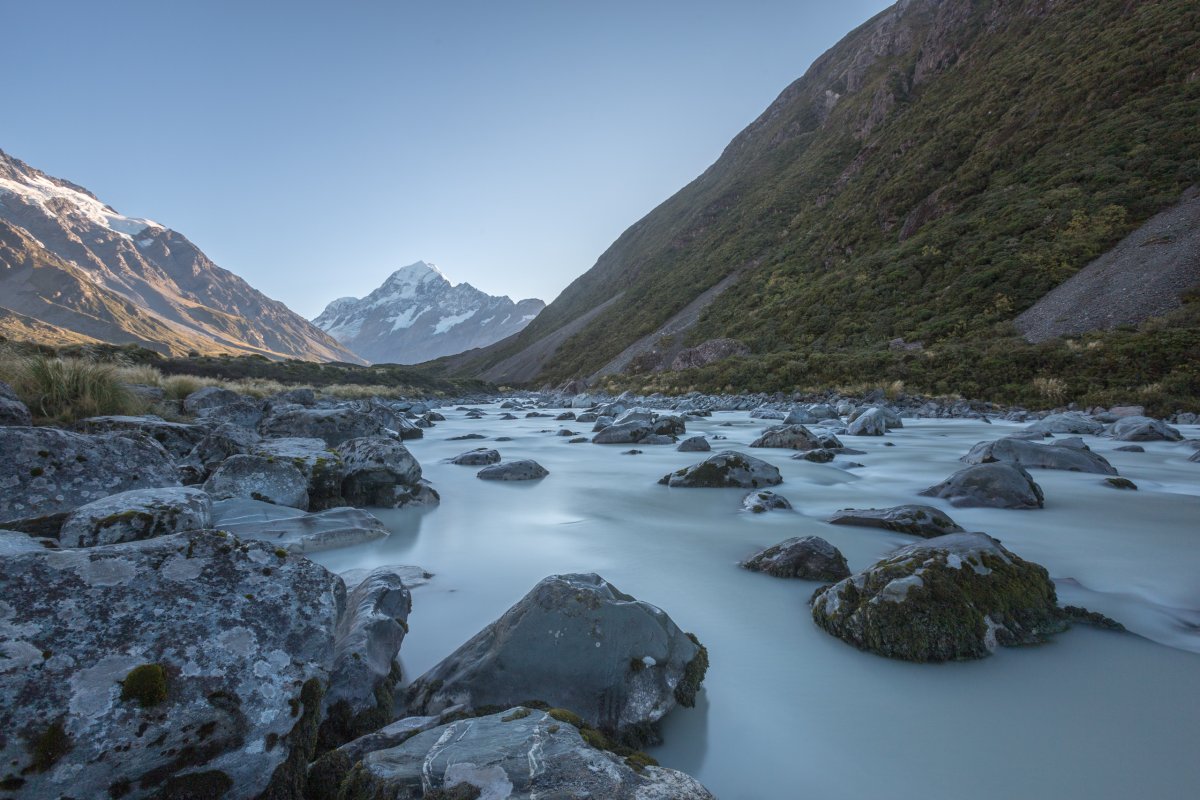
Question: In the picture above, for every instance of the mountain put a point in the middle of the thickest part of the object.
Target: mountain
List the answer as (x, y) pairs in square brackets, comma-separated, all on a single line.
[(73, 268), (417, 315), (930, 177)]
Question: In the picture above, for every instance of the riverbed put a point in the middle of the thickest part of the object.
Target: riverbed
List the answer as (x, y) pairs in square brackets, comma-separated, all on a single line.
[(788, 711)]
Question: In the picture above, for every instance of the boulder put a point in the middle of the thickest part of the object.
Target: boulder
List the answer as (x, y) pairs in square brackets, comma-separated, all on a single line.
[(623, 433), (380, 472), (219, 444), (176, 437), (1067, 422), (522, 470), (726, 469), (259, 478), (136, 514), (46, 473), (365, 674), (809, 558), (916, 520), (575, 642), (321, 466), (242, 413), (1143, 429), (294, 530), (12, 410), (332, 425), (303, 396), (818, 456), (520, 754), (872, 422), (668, 425), (189, 665), (1060, 455), (958, 596), (209, 397), (793, 437), (764, 500), (694, 444), (996, 485), (658, 438), (480, 456)]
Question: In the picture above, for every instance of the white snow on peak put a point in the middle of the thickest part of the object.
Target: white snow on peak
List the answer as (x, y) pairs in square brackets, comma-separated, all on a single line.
[(446, 323), (41, 190)]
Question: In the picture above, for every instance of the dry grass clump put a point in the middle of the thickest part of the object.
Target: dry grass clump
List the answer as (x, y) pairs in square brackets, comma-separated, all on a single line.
[(67, 389)]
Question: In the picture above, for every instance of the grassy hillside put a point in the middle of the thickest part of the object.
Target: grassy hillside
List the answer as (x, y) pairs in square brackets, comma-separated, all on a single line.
[(929, 178)]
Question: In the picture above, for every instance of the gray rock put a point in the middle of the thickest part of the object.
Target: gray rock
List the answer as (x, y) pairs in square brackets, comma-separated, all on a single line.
[(872, 422), (958, 596), (996, 485), (202, 645), (466, 437), (12, 410), (767, 413), (1120, 483), (480, 456), (657, 438), (332, 425), (1130, 448), (623, 433), (300, 397), (668, 425), (924, 521), (602, 422), (519, 754), (242, 413), (259, 478), (137, 514), (1040, 456), (793, 437), (176, 437), (818, 456), (764, 500), (412, 576), (15, 542), (809, 558), (1143, 429), (365, 674), (294, 530), (322, 467), (575, 642), (726, 469), (382, 473), (523, 470), (46, 473), (209, 397), (1067, 422), (219, 444), (694, 444), (801, 416)]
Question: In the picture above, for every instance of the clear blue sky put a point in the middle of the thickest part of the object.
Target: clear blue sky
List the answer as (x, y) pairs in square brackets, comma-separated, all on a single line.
[(314, 147)]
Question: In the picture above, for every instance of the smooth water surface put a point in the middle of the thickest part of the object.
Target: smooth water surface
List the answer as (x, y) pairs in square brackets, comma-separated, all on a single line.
[(787, 710)]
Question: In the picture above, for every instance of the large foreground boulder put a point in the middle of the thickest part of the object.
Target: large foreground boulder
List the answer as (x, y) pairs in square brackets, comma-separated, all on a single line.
[(726, 469), (333, 425), (189, 665), (382, 473), (575, 642), (519, 754), (321, 466), (259, 478), (917, 520), (177, 437), (137, 514), (46, 473), (958, 596), (1065, 455), (996, 485), (809, 558)]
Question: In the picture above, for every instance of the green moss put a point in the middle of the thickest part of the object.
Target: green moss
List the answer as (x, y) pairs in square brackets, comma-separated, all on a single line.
[(49, 746), (1120, 483), (693, 675), (563, 715), (146, 685), (639, 761), (520, 713), (281, 553), (37, 472), (288, 780), (459, 791)]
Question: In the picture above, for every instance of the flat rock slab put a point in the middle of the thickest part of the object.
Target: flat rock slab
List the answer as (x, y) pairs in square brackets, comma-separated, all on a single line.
[(294, 530), (1066, 454), (917, 520)]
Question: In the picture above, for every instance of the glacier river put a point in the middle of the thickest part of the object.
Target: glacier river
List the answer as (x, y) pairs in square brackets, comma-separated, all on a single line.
[(788, 711)]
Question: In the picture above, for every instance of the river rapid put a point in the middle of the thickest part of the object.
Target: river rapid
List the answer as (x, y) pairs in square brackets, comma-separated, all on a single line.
[(788, 711)]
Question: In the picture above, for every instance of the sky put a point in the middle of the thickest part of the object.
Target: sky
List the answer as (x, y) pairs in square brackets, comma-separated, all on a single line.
[(314, 147)]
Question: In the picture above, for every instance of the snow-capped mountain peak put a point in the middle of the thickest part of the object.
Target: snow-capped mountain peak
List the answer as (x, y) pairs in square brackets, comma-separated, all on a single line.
[(418, 314)]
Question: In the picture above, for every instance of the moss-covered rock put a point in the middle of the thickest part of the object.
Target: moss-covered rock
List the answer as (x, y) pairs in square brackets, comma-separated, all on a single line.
[(727, 469), (810, 558), (917, 520), (958, 596)]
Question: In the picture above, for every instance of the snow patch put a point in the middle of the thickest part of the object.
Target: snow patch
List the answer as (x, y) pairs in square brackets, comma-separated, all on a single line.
[(446, 323), (40, 190)]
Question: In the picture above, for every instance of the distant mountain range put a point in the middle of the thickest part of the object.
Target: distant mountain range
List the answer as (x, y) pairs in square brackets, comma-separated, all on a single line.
[(418, 315), (894, 211), (75, 271)]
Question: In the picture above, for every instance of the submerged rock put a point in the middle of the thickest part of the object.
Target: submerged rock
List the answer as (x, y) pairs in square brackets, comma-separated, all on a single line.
[(480, 456), (523, 470), (1143, 429), (137, 514), (46, 473), (727, 469), (694, 444), (809, 558), (294, 530), (574, 642), (917, 520), (1067, 422), (958, 596), (630, 432), (520, 754), (1067, 454), (763, 500), (996, 485), (793, 437), (196, 650)]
